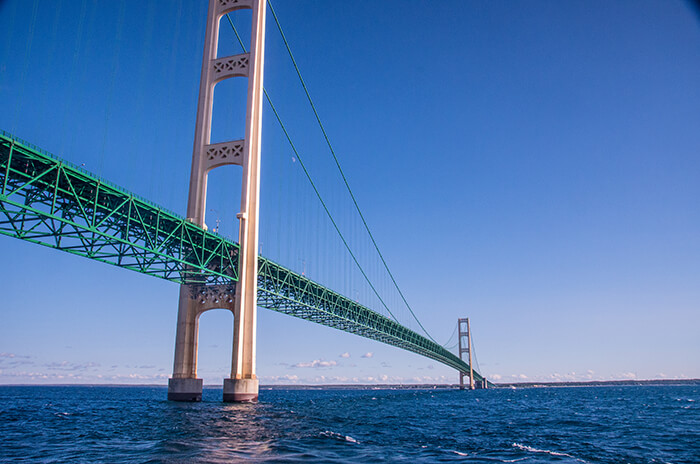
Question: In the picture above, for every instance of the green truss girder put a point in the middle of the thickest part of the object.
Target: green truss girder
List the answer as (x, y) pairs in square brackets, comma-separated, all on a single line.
[(51, 202), (285, 291), (48, 201)]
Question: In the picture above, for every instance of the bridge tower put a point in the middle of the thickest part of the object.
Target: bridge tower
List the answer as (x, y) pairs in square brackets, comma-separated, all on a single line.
[(241, 299), (465, 346)]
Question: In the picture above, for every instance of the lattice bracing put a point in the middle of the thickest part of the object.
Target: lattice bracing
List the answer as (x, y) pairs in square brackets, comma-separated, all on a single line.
[(219, 154), (230, 66), (287, 292), (48, 201)]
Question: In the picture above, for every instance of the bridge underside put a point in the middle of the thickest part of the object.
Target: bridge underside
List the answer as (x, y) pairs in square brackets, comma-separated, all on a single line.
[(50, 202)]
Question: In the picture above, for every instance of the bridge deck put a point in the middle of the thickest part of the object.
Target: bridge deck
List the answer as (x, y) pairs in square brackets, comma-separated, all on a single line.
[(51, 202)]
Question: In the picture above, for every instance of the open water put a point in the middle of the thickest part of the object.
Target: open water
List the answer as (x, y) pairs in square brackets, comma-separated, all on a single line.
[(648, 424)]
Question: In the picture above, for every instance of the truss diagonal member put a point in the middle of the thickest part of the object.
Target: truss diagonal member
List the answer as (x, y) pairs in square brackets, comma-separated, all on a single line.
[(77, 199), (32, 180)]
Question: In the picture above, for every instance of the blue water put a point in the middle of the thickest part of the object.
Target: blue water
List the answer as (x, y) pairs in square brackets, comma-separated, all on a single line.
[(649, 424)]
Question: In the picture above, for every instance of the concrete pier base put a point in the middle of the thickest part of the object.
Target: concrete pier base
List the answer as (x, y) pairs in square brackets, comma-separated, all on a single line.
[(185, 390), (241, 390)]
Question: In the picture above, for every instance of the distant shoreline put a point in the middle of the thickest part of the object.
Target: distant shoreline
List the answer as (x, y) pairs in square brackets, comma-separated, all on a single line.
[(601, 383), (594, 383)]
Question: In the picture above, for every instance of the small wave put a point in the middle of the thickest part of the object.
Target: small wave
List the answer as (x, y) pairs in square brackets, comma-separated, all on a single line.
[(339, 437), (551, 453), (459, 453)]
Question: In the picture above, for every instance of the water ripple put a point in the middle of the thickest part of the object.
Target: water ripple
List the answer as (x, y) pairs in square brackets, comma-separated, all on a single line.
[(636, 425)]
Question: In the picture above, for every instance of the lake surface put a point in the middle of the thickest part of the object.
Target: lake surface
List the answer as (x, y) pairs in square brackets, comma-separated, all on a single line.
[(643, 424)]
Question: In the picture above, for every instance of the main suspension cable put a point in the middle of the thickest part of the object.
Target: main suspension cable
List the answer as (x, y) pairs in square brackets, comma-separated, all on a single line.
[(313, 185), (476, 360), (340, 169), (450, 339)]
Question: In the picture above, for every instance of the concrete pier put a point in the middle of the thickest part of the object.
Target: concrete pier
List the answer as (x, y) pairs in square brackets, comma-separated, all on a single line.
[(241, 390), (184, 389)]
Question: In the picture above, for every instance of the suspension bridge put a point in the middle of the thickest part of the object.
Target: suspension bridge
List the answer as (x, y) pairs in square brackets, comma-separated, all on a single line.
[(49, 201)]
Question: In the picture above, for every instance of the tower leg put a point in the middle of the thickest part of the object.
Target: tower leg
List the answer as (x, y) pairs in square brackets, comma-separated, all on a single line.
[(243, 384), (184, 384)]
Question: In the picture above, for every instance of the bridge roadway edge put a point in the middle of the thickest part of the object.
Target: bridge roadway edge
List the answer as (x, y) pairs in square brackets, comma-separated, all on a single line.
[(144, 237)]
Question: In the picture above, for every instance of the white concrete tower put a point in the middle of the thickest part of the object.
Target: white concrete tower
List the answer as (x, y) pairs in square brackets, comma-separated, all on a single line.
[(195, 299)]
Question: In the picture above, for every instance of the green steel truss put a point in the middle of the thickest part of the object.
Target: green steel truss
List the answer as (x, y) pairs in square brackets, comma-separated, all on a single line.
[(51, 202), (48, 201), (285, 291)]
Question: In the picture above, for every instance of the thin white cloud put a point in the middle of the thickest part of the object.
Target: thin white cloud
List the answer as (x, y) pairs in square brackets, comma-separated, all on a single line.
[(584, 375), (70, 366), (358, 380), (369, 354), (316, 363), (135, 376), (11, 362), (345, 355), (13, 356), (73, 377), (279, 379)]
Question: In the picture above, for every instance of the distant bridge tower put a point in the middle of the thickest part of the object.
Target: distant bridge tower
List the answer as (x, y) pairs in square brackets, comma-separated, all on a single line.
[(465, 346), (194, 300)]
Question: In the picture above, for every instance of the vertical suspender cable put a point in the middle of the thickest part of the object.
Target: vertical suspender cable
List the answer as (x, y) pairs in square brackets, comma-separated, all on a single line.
[(110, 91), (25, 66), (315, 189), (347, 185), (76, 52)]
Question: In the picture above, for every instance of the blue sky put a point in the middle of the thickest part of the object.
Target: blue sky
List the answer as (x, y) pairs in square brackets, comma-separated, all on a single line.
[(531, 165)]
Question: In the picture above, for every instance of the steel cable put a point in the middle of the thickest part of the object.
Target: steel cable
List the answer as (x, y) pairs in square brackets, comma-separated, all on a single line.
[(313, 185), (451, 336), (337, 163)]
